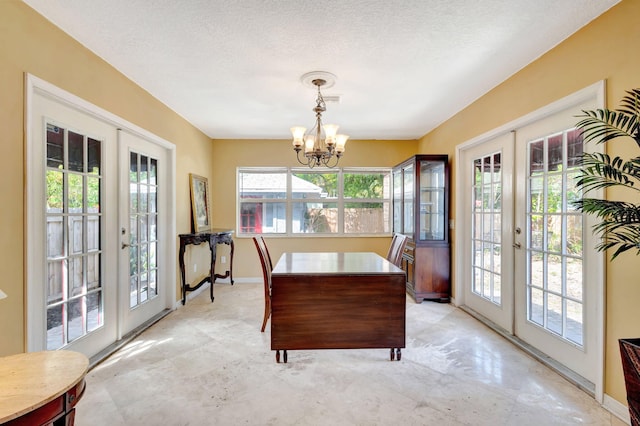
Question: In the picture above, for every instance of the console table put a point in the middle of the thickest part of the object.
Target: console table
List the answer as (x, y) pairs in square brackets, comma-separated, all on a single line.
[(39, 388), (213, 237)]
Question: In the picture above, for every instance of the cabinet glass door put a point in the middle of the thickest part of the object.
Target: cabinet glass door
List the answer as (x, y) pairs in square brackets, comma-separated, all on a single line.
[(432, 211), (408, 200), (397, 201)]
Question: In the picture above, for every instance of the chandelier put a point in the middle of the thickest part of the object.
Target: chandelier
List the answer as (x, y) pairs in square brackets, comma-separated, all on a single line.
[(321, 144)]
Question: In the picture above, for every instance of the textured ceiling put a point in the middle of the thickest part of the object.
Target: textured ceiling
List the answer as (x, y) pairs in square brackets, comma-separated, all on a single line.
[(232, 68)]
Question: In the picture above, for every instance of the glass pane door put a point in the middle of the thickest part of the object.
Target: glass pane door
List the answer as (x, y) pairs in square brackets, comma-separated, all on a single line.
[(74, 292), (486, 225), (143, 235), (432, 200), (407, 219), (558, 285), (488, 228), (143, 230), (397, 201), (554, 228)]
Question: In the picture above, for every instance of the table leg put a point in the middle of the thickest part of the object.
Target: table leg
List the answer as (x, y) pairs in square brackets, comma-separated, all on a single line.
[(229, 272), (212, 270), (231, 263), (182, 273)]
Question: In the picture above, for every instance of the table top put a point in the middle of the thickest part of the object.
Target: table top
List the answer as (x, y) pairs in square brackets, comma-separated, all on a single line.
[(360, 263), (30, 380), (212, 231)]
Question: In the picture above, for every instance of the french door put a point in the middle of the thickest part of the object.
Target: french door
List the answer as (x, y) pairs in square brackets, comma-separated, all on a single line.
[(489, 171), (72, 299), (555, 289), (142, 229), (97, 198), (527, 256)]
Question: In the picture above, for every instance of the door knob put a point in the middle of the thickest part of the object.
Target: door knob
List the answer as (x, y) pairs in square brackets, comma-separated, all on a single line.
[(517, 245), (125, 245)]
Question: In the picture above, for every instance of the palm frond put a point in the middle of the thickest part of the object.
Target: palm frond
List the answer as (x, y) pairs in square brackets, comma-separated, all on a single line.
[(603, 125), (599, 171), (630, 105), (620, 211), (621, 242), (619, 227)]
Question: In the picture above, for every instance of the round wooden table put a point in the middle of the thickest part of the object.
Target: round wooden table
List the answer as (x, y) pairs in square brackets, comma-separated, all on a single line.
[(41, 387)]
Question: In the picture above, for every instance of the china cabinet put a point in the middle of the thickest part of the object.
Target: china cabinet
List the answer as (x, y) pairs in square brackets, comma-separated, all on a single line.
[(421, 211)]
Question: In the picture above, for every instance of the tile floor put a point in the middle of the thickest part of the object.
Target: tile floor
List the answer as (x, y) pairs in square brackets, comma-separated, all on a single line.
[(208, 364)]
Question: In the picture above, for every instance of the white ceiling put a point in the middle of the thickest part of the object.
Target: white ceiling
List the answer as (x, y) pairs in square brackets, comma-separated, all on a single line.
[(232, 67)]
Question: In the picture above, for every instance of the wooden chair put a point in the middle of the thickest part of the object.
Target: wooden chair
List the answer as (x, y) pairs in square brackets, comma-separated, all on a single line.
[(267, 266), (398, 242)]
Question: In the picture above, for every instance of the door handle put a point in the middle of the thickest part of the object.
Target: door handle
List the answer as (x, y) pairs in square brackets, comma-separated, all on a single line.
[(517, 245), (125, 245)]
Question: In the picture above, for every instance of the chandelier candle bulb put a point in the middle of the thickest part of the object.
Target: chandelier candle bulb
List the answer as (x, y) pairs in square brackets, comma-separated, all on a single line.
[(330, 130), (341, 141), (298, 136), (309, 144)]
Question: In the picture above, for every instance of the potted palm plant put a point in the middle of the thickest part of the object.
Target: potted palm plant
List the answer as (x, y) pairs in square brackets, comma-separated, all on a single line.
[(618, 227)]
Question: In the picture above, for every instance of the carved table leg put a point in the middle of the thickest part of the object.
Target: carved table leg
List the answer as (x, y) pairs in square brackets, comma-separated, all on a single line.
[(278, 357), (284, 352), (392, 355), (212, 270), (231, 263), (182, 273), (398, 354)]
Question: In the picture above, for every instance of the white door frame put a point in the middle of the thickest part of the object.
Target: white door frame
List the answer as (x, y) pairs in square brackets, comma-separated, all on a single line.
[(35, 327), (595, 90)]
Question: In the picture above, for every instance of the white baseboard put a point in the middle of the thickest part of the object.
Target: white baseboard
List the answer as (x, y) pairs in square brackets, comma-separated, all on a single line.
[(616, 408)]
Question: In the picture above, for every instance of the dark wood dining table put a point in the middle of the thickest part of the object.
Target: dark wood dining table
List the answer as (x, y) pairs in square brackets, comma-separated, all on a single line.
[(337, 301)]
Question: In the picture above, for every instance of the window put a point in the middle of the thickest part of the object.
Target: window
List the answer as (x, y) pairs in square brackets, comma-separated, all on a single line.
[(320, 202)]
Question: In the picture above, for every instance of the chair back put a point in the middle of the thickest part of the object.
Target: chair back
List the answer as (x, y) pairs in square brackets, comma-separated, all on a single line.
[(398, 242), (259, 240), (265, 261), (267, 267)]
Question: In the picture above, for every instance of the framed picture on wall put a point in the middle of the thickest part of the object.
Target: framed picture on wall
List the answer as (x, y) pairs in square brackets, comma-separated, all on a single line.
[(199, 203)]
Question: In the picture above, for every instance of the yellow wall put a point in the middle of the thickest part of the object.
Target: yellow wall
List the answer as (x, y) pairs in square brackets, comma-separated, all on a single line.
[(602, 50), (30, 44), (230, 154)]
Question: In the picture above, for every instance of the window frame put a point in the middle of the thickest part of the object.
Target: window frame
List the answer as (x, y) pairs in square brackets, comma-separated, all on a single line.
[(340, 200)]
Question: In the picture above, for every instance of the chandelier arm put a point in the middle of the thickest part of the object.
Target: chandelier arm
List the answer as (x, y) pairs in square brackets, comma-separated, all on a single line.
[(328, 160), (298, 157)]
